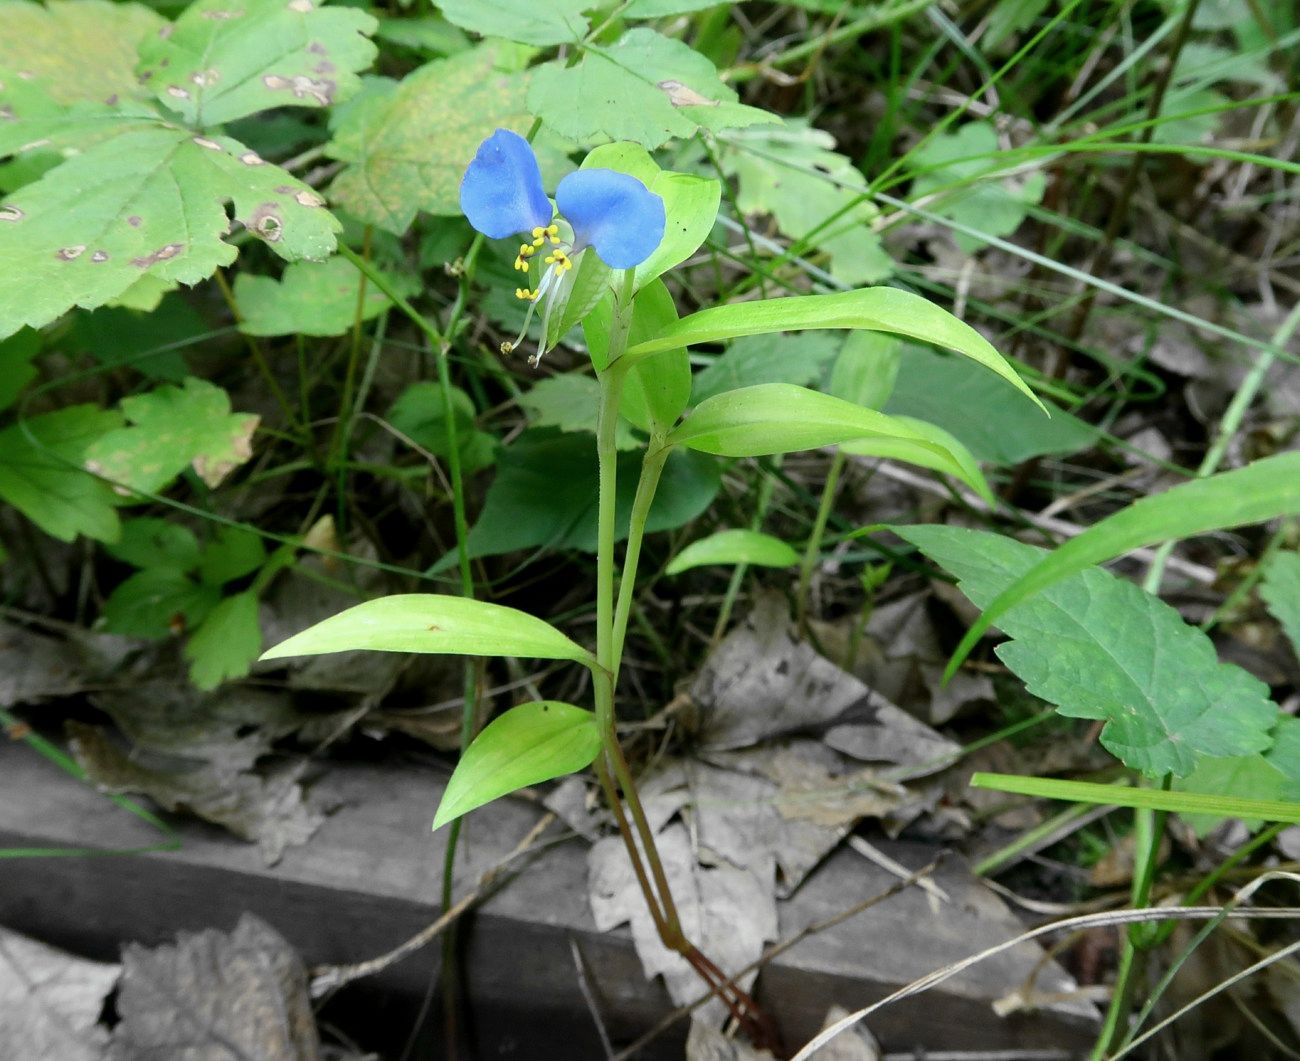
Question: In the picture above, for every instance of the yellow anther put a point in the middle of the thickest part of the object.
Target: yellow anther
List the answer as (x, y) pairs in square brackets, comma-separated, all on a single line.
[(539, 241), (506, 346), (538, 232)]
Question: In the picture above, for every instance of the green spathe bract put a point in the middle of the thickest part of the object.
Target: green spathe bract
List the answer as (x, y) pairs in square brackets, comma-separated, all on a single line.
[(527, 745)]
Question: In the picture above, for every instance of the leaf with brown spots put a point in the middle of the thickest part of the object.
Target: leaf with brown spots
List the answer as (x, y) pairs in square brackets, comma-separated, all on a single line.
[(409, 147), (142, 198), (225, 59), (645, 87), (80, 50), (173, 427)]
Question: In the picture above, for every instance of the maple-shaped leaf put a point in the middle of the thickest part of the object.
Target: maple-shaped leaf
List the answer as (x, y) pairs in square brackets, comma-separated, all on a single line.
[(139, 198), (173, 427), (226, 59)]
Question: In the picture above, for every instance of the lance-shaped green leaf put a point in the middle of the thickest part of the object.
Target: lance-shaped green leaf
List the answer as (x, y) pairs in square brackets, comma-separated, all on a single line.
[(407, 149), (734, 547), (434, 623), (877, 309), (144, 200), (1260, 491), (690, 204), (225, 59), (953, 450), (85, 50), (1100, 647), (527, 745), (780, 418), (645, 87)]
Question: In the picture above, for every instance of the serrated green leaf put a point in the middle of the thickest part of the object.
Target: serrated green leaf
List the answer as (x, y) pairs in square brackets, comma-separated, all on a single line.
[(690, 204), (794, 174), (41, 473), (645, 87), (78, 50), (569, 402), (151, 543), (150, 603), (797, 359), (16, 368), (995, 206), (151, 344), (525, 21), (1260, 491), (145, 199), (311, 298), (1242, 776), (1099, 647), (995, 423), (225, 59), (226, 642), (780, 418), (420, 414), (734, 547), (880, 309), (1280, 590), (545, 490), (527, 745), (173, 427), (408, 150), (433, 623), (232, 553)]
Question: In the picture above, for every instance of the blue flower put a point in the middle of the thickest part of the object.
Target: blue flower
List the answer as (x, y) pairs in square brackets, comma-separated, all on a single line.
[(613, 213)]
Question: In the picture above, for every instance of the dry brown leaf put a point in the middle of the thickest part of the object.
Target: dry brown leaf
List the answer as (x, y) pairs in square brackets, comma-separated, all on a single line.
[(214, 995), (50, 1002)]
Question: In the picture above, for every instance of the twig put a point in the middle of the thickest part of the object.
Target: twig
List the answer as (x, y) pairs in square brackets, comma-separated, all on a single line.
[(327, 978), (589, 997)]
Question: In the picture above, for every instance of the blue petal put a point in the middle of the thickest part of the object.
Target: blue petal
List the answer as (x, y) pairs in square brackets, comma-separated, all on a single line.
[(613, 212), (501, 193)]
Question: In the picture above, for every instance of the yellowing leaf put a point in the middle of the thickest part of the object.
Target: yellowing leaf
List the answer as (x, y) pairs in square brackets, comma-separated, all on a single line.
[(224, 59), (408, 149), (77, 50), (174, 427)]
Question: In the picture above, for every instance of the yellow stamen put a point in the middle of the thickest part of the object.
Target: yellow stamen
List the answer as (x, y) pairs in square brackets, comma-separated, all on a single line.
[(506, 346)]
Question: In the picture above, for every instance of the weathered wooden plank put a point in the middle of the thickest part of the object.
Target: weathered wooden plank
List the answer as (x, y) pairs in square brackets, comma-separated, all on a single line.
[(369, 877)]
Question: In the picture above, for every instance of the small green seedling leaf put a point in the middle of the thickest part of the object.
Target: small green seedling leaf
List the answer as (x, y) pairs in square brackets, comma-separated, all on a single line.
[(1260, 491), (152, 604), (1100, 647), (407, 149), (311, 298), (646, 88), (226, 642), (421, 415), (878, 309), (225, 59), (434, 623), (734, 547), (42, 475), (781, 418), (173, 427), (150, 543), (525, 746)]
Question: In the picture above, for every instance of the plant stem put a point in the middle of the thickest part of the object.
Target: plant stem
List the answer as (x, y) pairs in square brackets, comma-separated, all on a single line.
[(814, 547), (651, 469), (1150, 827)]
